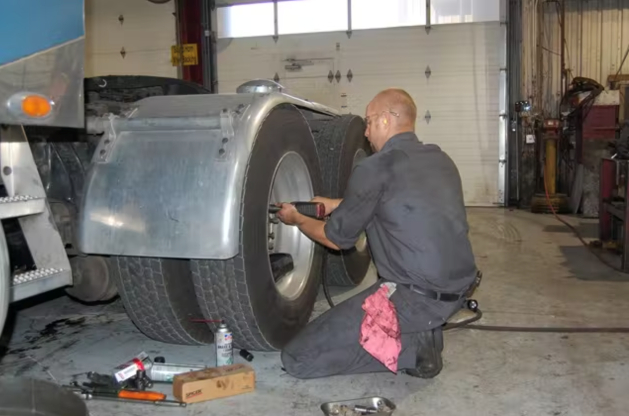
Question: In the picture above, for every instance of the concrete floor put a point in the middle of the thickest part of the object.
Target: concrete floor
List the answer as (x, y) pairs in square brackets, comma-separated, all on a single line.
[(535, 273)]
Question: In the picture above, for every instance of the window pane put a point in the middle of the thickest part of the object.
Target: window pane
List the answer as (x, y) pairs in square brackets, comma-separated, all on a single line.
[(372, 14), (310, 16), (246, 20), (464, 11)]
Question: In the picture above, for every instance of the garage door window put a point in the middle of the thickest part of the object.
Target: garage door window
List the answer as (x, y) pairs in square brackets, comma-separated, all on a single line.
[(311, 16), (464, 11), (246, 20), (370, 14)]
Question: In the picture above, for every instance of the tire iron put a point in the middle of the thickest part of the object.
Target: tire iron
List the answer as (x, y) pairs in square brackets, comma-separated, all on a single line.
[(129, 396), (92, 396)]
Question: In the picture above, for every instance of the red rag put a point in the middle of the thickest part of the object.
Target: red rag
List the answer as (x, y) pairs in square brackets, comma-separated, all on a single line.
[(380, 329)]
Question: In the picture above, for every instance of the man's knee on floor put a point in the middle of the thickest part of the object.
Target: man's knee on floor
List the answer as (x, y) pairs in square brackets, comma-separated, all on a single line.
[(296, 365)]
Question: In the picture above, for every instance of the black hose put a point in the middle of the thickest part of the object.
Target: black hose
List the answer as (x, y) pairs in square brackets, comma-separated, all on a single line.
[(467, 324), (478, 314), (324, 283)]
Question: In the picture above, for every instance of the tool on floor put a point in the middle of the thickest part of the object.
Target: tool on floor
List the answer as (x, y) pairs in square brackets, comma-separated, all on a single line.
[(103, 393), (141, 381), (246, 355), (314, 210), (223, 340), (359, 407), (130, 369)]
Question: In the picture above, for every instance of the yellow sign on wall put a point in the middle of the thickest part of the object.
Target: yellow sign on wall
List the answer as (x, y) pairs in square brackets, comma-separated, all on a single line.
[(185, 54)]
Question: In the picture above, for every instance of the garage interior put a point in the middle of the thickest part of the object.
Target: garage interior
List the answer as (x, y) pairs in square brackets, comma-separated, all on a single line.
[(528, 98)]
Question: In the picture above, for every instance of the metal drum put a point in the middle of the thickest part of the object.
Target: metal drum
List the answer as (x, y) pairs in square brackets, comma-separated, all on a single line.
[(25, 396)]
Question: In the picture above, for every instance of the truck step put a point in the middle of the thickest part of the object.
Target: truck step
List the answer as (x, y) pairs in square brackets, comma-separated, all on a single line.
[(38, 281), (20, 206), (27, 194)]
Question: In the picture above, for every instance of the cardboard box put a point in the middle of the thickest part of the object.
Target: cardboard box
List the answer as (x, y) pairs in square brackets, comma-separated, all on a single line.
[(214, 383)]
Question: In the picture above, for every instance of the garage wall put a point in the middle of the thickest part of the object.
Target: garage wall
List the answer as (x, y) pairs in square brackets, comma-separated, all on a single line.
[(596, 39), (461, 94), (146, 33)]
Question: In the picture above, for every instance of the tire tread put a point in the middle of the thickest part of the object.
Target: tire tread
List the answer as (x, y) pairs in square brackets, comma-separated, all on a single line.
[(329, 148), (141, 283)]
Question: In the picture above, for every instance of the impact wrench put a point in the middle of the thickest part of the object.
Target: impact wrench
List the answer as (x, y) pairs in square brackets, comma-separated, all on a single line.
[(314, 210)]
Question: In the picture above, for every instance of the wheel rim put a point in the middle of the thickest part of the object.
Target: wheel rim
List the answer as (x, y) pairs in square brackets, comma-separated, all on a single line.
[(291, 182), (361, 243)]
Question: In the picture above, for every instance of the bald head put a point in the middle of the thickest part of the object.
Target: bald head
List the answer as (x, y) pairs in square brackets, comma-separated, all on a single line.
[(391, 112), (400, 102)]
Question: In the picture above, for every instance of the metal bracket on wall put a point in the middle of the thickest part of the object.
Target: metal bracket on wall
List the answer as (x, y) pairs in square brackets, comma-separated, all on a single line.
[(338, 76), (275, 24), (330, 76), (349, 19), (123, 53), (350, 75), (276, 78), (427, 117), (121, 19), (428, 25), (427, 72)]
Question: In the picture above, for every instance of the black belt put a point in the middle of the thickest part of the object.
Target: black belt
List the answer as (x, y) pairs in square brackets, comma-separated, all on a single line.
[(446, 297)]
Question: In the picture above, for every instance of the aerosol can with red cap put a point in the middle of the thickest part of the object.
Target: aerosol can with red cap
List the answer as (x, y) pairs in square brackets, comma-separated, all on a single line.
[(223, 341)]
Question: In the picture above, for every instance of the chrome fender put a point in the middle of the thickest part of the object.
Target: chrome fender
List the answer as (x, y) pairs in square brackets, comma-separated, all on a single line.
[(166, 180)]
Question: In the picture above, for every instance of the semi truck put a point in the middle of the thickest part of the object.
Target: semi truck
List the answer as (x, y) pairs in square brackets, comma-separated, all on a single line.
[(156, 191)]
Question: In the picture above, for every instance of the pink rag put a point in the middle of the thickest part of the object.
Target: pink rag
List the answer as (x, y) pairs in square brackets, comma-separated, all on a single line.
[(380, 329)]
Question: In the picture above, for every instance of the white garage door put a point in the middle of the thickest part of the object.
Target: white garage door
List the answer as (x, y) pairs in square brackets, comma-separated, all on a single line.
[(129, 37), (460, 94)]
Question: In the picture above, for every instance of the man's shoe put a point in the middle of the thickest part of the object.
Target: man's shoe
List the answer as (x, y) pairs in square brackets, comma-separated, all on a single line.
[(429, 362)]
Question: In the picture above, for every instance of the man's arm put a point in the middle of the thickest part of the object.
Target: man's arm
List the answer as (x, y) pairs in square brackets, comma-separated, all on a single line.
[(315, 230), (350, 216), (357, 208)]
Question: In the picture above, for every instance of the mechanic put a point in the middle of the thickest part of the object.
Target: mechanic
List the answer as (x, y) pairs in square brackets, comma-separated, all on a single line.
[(408, 197)]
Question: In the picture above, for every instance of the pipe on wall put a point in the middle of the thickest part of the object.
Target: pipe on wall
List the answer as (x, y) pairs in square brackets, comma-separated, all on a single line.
[(191, 31)]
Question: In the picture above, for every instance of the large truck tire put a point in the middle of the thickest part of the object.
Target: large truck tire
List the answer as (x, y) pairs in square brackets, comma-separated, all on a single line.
[(159, 298), (263, 310), (341, 144)]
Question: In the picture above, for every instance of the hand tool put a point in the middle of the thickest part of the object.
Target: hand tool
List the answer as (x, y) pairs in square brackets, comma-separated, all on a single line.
[(246, 355), (314, 210), (94, 393), (90, 396)]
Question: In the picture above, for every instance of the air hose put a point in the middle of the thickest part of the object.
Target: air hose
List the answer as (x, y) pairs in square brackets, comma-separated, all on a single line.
[(478, 314), (468, 324), (324, 283)]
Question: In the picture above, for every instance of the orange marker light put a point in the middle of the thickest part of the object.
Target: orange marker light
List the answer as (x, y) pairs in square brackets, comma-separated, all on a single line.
[(36, 106)]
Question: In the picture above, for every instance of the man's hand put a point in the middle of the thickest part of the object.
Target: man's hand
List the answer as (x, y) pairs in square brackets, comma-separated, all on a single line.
[(289, 215), (329, 203)]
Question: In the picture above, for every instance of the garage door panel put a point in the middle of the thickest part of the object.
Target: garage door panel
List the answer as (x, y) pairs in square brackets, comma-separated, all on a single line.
[(461, 93), (135, 63), (146, 33)]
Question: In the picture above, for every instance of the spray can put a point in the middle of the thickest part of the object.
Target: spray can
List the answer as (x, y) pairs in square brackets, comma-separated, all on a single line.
[(223, 342)]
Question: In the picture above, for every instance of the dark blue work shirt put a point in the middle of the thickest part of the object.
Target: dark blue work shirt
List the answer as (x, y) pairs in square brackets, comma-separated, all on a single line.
[(409, 199)]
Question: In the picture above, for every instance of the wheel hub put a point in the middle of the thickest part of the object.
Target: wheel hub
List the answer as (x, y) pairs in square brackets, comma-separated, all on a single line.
[(291, 182)]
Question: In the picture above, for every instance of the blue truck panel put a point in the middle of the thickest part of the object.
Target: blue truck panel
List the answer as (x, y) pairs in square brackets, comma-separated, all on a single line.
[(31, 26)]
